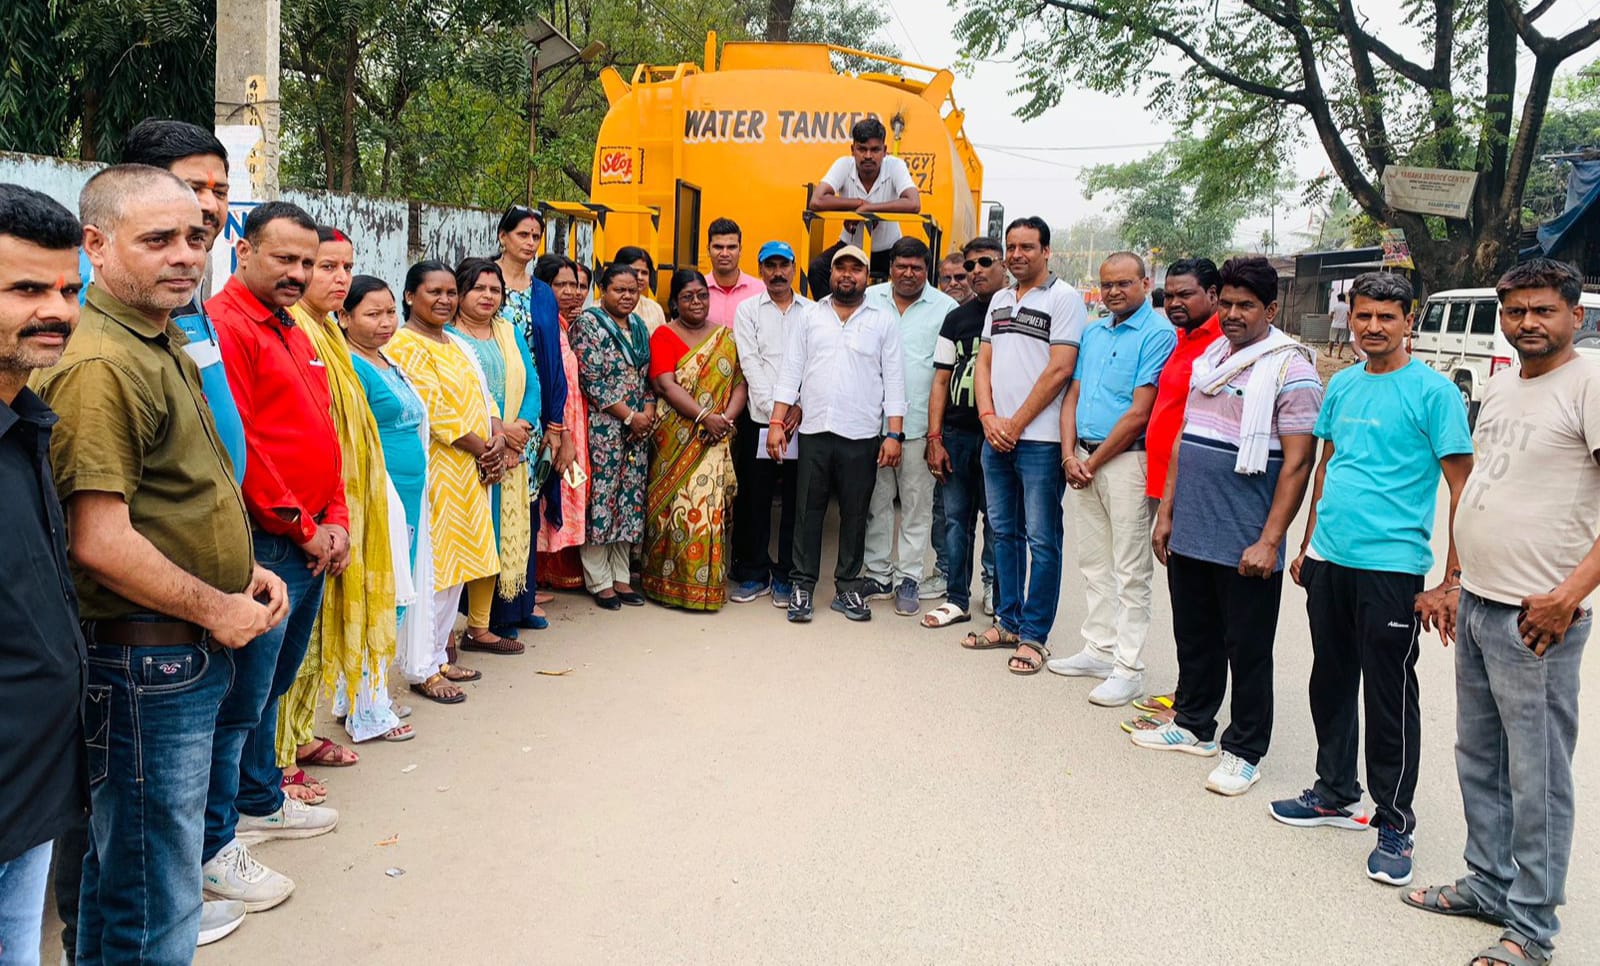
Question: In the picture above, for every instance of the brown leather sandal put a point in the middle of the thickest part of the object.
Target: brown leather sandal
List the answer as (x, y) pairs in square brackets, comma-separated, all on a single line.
[(430, 689)]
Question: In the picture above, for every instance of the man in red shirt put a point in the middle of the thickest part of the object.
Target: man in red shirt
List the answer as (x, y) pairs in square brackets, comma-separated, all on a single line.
[(294, 492), (1191, 302)]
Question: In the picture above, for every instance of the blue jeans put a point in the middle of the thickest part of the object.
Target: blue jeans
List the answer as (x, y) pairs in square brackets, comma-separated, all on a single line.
[(150, 717), (1516, 727), (22, 882), (963, 498), (1024, 489), (245, 776)]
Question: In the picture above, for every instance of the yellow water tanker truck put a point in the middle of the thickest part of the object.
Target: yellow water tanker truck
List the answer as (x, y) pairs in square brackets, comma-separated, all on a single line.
[(747, 135)]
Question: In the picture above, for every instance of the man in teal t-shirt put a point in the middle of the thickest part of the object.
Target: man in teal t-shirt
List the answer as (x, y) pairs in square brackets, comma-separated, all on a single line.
[(1388, 428)]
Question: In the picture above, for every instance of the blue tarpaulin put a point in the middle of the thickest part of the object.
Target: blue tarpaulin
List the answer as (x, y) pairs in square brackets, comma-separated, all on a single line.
[(1583, 191)]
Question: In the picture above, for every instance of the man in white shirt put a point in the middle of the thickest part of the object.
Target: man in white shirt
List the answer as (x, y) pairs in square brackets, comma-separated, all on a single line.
[(895, 569), (760, 328), (842, 365), (1026, 358), (866, 181)]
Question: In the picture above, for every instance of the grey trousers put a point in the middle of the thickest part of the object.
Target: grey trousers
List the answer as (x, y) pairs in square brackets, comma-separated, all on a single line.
[(1516, 727)]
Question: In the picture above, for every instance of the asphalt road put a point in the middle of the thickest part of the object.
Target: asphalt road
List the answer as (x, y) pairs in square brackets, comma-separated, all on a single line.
[(729, 788)]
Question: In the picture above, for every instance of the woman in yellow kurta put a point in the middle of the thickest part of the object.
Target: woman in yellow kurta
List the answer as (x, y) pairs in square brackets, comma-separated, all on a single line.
[(465, 458), (354, 637)]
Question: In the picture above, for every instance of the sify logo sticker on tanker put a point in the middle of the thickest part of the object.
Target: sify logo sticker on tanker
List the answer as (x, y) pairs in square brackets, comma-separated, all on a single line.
[(752, 126), (616, 165)]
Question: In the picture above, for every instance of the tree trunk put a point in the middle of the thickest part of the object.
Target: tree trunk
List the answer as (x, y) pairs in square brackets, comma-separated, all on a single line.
[(780, 14), (87, 149), (347, 112), (579, 176)]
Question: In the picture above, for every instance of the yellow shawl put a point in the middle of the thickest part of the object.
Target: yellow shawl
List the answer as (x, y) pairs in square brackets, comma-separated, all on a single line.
[(516, 530), (356, 625)]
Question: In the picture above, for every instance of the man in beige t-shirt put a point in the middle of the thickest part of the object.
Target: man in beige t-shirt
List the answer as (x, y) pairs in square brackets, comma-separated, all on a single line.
[(1526, 532)]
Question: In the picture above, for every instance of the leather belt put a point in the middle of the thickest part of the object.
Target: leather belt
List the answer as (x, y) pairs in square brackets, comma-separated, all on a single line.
[(157, 633), (1089, 447)]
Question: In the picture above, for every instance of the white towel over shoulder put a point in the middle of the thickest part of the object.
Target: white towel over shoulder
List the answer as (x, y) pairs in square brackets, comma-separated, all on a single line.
[(1216, 367)]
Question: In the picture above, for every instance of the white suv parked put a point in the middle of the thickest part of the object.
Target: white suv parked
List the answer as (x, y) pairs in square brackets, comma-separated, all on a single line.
[(1458, 334)]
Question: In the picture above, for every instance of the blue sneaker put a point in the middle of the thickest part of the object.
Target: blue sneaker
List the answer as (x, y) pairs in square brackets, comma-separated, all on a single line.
[(1311, 810), (781, 589), (1390, 861), (749, 590)]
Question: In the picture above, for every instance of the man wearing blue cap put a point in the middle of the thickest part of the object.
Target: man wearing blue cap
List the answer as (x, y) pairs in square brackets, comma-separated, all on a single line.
[(759, 328)]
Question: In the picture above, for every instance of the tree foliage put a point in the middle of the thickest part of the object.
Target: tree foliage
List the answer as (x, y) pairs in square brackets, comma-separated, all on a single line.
[(1180, 201), (75, 75), (430, 100), (1265, 70), (1572, 127)]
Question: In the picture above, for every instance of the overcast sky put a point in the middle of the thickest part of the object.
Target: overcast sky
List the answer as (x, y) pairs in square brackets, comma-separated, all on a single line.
[(1034, 167)]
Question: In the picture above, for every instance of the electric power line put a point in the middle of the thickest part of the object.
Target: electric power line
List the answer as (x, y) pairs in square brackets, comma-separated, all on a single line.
[(1073, 147)]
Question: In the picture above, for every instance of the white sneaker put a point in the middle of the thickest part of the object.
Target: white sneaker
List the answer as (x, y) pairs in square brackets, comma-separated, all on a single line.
[(933, 588), (988, 600), (295, 820), (1116, 691), (234, 874), (1232, 776), (1081, 665), (1171, 737), (218, 919)]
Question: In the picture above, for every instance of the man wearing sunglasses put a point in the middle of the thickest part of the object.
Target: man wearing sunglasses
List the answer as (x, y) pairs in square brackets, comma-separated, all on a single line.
[(953, 277), (955, 436)]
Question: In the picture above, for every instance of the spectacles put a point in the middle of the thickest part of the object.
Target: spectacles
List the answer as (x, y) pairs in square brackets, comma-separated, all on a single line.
[(947, 279), (694, 295), (982, 261)]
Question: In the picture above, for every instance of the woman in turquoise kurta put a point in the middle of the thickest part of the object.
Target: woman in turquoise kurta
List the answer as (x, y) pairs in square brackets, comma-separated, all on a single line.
[(513, 383), (369, 321)]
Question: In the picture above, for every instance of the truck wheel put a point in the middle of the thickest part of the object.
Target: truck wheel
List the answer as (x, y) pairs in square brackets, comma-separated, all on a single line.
[(1464, 386)]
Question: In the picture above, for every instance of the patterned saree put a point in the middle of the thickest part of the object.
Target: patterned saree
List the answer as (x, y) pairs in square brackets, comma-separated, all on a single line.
[(691, 487)]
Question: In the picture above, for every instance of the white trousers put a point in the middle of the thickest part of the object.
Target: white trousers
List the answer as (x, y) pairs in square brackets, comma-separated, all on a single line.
[(1114, 554), (912, 482), (445, 603), (605, 564)]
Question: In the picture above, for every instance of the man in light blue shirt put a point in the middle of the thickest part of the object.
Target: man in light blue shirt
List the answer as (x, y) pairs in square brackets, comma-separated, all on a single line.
[(894, 568), (1103, 420), (1389, 428), (196, 156)]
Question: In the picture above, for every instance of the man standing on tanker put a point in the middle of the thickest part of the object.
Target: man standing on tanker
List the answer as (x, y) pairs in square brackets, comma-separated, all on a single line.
[(866, 181)]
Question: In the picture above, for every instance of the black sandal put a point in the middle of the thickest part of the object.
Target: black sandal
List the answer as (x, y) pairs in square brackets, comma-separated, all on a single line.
[(1462, 903)]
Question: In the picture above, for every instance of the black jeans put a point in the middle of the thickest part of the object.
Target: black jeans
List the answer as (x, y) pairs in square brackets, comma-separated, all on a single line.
[(66, 874), (752, 510), (1364, 633), (831, 466), (1224, 622)]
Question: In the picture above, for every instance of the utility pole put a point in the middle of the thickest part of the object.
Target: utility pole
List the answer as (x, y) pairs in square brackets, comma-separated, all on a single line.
[(247, 91)]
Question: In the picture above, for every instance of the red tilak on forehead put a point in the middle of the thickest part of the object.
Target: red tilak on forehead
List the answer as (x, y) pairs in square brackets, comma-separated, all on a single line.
[(61, 281), (211, 181)]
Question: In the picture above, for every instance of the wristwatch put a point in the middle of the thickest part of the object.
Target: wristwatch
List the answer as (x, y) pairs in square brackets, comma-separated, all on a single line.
[(897, 437)]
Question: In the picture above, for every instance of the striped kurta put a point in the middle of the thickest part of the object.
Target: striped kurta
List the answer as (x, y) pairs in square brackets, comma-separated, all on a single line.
[(458, 503)]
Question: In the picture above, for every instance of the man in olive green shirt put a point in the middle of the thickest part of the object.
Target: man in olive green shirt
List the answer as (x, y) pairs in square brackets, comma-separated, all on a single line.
[(161, 560)]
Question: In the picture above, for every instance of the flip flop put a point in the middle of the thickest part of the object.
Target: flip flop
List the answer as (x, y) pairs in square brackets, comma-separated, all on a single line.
[(328, 754), (1155, 704), (299, 778), (1145, 722), (944, 615)]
